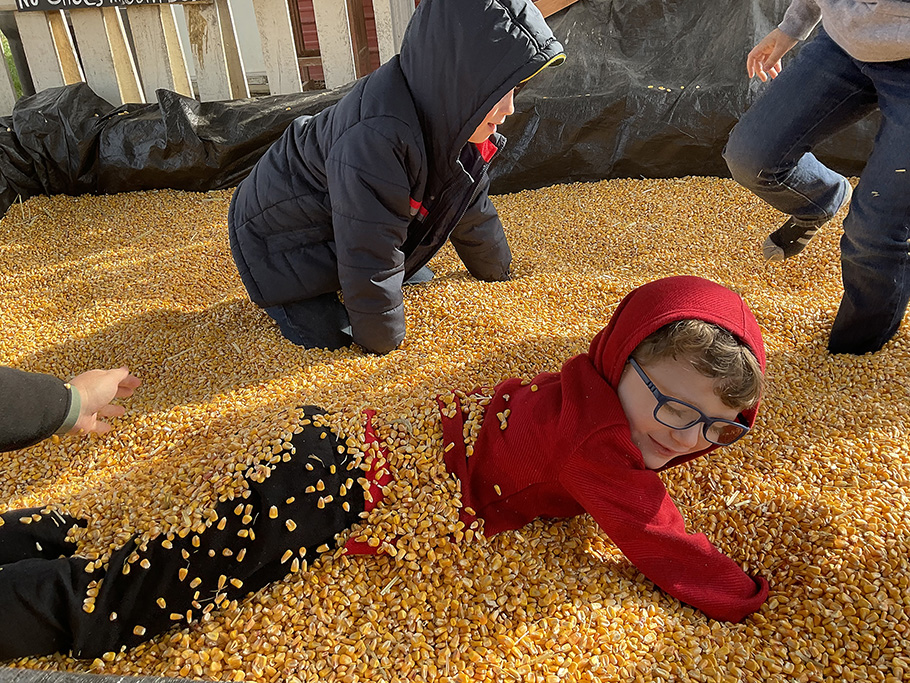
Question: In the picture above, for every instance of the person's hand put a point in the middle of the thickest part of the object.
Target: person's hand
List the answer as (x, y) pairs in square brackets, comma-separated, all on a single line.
[(764, 59), (97, 388)]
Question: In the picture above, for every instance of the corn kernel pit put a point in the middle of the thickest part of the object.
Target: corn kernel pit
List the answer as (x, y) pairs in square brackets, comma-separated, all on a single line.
[(815, 498)]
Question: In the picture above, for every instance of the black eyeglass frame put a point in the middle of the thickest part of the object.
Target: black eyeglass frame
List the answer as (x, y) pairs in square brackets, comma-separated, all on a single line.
[(706, 422)]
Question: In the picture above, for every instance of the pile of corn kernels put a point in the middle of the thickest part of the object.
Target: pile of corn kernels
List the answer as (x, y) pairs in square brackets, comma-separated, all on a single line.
[(816, 499)]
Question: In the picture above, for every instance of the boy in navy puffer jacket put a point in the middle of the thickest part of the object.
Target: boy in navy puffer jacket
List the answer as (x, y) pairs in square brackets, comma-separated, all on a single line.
[(359, 198)]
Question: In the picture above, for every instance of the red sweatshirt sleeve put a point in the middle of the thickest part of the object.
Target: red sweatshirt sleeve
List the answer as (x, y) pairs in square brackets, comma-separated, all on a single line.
[(633, 508), (377, 477)]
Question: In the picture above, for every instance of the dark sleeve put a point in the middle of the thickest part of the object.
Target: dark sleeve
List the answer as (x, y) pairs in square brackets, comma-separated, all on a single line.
[(32, 407), (368, 176), (634, 509), (480, 240)]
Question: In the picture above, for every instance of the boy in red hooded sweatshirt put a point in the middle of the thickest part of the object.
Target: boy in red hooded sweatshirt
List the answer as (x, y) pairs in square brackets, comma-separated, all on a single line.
[(676, 374)]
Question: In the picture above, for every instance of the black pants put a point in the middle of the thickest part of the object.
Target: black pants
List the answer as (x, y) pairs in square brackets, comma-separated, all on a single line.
[(144, 590), (322, 322), (318, 323)]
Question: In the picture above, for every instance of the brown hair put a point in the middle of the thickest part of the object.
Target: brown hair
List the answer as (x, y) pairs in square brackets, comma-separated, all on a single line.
[(712, 351)]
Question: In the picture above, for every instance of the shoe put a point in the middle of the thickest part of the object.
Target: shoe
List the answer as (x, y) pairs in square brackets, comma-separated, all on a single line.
[(792, 237), (422, 275)]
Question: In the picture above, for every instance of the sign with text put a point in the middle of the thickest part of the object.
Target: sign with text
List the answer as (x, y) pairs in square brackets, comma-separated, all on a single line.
[(52, 5)]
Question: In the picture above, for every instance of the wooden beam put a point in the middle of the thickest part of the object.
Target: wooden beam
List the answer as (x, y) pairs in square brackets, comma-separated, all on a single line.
[(392, 18), (305, 62), (40, 50), (273, 19), (176, 52), (65, 47), (208, 52), (106, 58), (160, 65), (357, 25), (548, 7), (335, 42), (236, 73), (124, 64), (8, 95)]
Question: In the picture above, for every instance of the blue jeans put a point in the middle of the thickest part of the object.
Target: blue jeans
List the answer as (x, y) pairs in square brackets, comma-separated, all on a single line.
[(821, 91)]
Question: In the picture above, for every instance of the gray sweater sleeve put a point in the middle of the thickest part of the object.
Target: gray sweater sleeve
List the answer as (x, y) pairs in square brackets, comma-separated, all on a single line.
[(801, 17), (867, 31), (32, 407)]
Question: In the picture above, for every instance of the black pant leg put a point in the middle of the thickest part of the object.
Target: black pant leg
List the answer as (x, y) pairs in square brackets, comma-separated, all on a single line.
[(40, 600), (318, 323), (172, 580), (43, 536), (41, 586), (254, 541)]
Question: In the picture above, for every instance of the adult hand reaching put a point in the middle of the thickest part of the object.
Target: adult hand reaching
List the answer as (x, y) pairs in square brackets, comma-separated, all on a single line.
[(764, 59), (97, 388)]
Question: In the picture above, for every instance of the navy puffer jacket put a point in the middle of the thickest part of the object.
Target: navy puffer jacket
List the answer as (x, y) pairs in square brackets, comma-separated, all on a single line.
[(362, 195)]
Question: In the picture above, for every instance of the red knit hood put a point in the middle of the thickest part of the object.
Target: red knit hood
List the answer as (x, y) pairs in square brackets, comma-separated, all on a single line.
[(649, 307)]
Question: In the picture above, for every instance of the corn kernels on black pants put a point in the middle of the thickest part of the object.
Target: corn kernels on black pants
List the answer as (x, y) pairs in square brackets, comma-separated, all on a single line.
[(146, 588)]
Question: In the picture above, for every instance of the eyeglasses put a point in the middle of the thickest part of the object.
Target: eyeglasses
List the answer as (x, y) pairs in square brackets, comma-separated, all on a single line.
[(676, 414)]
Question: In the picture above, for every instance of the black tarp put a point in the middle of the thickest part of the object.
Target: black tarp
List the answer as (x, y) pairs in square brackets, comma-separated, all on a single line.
[(68, 140), (651, 88)]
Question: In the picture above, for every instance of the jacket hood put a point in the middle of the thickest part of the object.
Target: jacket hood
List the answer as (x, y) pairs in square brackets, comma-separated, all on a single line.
[(649, 307), (460, 57)]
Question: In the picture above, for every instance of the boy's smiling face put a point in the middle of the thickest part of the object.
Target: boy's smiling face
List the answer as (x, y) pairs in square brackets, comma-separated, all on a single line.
[(658, 443), (505, 107)]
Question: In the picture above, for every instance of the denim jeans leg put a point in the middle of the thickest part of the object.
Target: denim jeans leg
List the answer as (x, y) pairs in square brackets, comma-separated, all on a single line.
[(875, 262), (318, 323), (821, 91)]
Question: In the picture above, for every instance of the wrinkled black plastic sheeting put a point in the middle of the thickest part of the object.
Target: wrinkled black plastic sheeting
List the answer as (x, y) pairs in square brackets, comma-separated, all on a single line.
[(9, 675), (68, 140), (594, 117)]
